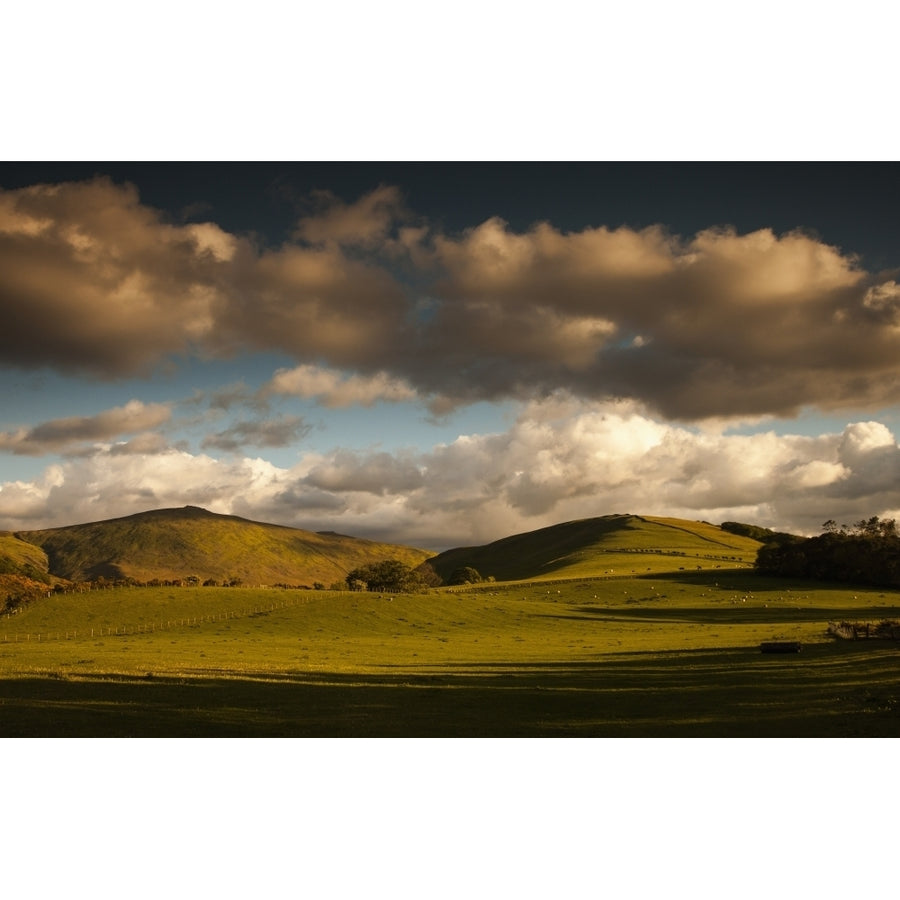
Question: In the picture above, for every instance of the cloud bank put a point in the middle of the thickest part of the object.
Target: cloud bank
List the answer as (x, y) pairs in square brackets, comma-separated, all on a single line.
[(716, 324), (562, 459)]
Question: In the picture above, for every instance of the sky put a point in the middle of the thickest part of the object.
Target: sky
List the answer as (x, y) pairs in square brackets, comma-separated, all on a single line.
[(445, 354)]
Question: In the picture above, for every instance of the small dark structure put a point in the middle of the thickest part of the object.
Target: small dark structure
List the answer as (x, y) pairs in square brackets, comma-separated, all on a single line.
[(780, 647)]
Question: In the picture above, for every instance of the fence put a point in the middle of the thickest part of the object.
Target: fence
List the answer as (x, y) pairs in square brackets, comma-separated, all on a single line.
[(37, 637)]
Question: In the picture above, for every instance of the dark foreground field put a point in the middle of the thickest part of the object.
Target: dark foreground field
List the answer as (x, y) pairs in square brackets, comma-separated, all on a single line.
[(823, 692)]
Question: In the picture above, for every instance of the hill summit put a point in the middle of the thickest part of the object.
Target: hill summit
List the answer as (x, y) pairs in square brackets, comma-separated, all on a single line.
[(621, 543), (189, 541)]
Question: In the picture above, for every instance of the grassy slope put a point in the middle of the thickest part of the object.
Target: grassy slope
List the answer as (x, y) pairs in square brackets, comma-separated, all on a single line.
[(17, 555), (176, 543), (618, 656), (651, 654), (24, 569), (624, 543)]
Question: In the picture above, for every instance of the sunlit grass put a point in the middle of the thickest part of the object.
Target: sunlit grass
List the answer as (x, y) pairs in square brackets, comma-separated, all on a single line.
[(618, 544), (584, 656)]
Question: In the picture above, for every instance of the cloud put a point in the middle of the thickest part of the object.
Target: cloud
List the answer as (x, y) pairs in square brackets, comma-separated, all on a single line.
[(230, 395), (366, 222), (883, 300), (334, 389), (61, 435), (95, 282), (713, 325), (721, 324), (146, 444), (562, 459), (718, 325), (108, 485), (372, 473), (280, 432), (316, 303)]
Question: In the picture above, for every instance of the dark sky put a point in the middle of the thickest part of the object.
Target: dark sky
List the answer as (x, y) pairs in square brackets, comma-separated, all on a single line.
[(850, 205)]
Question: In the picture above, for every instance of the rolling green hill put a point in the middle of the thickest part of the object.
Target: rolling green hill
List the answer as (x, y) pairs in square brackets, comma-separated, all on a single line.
[(617, 544), (172, 544), (177, 543)]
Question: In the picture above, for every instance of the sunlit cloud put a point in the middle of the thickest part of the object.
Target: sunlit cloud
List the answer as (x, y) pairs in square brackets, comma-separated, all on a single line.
[(334, 389), (561, 459), (706, 326), (60, 435), (366, 222), (95, 282)]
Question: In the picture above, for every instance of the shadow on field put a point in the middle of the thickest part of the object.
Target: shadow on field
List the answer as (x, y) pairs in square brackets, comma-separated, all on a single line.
[(726, 614), (827, 690)]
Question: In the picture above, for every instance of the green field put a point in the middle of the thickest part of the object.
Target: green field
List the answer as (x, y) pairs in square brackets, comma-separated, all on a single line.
[(621, 655)]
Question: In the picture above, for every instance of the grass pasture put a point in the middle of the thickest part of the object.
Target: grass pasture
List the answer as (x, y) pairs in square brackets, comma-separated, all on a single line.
[(616, 544), (646, 655)]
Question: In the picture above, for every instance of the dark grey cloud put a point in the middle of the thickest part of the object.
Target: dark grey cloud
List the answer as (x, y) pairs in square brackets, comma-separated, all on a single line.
[(94, 282), (373, 473), (710, 325), (237, 394), (277, 432), (70, 434)]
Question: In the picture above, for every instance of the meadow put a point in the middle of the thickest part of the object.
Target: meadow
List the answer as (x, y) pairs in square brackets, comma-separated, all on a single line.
[(652, 654)]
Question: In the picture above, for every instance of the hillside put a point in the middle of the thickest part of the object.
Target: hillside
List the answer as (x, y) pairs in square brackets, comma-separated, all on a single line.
[(167, 544), (18, 557), (621, 544)]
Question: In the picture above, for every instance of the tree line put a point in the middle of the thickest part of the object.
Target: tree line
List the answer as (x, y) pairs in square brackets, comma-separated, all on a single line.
[(865, 552)]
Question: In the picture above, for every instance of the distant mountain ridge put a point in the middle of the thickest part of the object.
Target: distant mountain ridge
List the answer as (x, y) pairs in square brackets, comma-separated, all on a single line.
[(178, 543)]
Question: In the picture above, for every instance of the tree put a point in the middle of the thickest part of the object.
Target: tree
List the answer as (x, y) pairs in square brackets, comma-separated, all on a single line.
[(428, 576), (876, 527), (465, 575), (390, 575), (869, 552)]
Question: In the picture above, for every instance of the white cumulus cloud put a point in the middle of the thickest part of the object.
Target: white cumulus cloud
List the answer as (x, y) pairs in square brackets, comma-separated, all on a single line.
[(562, 459)]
